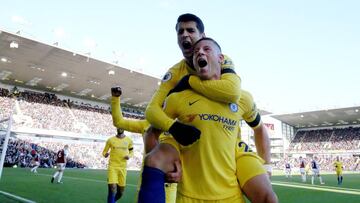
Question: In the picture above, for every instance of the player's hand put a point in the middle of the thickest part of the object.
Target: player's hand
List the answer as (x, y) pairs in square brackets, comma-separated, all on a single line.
[(174, 176), (126, 157), (184, 134), (116, 91), (182, 85), (106, 155)]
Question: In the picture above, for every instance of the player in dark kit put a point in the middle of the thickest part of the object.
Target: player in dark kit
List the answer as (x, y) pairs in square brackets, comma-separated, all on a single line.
[(35, 162), (60, 164)]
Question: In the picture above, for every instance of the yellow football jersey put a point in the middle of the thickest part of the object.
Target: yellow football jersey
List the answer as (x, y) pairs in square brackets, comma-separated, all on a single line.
[(338, 165), (119, 148), (209, 165), (225, 90)]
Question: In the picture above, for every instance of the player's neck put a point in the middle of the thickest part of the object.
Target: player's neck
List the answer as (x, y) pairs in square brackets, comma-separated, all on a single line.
[(189, 62), (120, 136)]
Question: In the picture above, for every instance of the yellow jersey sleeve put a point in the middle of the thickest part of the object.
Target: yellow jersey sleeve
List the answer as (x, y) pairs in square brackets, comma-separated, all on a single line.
[(170, 105), (135, 126), (227, 89), (154, 112), (106, 148), (251, 114)]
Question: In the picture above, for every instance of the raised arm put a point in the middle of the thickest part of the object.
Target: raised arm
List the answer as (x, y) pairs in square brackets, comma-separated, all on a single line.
[(136, 126)]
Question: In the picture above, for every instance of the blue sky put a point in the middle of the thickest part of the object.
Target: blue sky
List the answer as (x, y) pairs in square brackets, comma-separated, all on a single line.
[(291, 55)]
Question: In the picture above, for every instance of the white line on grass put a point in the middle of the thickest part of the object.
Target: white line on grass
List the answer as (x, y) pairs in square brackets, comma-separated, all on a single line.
[(85, 179), (16, 197), (315, 188), (322, 186)]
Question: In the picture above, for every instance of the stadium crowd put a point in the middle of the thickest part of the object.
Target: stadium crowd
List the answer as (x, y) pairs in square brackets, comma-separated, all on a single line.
[(326, 139), (47, 111), (81, 154)]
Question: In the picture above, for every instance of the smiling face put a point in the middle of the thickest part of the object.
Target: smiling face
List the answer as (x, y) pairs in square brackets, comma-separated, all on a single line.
[(207, 59), (187, 35)]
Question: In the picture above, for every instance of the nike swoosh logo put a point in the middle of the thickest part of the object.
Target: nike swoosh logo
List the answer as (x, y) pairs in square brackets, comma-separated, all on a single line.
[(191, 103)]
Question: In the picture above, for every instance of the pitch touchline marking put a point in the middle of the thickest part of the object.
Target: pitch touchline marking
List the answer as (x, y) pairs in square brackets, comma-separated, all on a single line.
[(317, 188), (16, 197), (86, 179), (322, 186)]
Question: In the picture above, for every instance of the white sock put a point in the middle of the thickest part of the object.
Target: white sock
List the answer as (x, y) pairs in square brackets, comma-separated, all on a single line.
[(320, 179), (34, 169), (56, 174), (312, 180), (60, 176)]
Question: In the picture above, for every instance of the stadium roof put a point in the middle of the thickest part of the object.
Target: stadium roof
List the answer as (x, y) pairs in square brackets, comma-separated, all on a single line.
[(29, 63), (322, 118)]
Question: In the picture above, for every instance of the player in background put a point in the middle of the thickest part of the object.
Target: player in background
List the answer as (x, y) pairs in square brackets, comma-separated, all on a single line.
[(308, 168), (61, 157), (35, 162), (339, 170), (315, 170), (357, 162), (121, 149), (288, 169), (140, 126), (302, 169)]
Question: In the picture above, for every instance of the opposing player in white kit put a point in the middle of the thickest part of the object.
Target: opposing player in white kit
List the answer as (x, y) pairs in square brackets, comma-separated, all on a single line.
[(60, 164), (302, 169), (287, 169), (315, 170)]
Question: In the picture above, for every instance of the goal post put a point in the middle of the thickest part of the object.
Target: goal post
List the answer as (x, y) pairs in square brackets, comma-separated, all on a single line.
[(6, 141)]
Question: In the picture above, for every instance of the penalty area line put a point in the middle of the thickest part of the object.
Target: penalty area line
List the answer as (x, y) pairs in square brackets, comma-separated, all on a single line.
[(316, 188), (16, 197)]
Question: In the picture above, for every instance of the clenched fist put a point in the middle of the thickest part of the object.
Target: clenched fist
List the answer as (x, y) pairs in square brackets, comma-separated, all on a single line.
[(116, 91)]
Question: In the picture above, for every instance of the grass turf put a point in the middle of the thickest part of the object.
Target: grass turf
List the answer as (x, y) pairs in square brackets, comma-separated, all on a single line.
[(90, 186)]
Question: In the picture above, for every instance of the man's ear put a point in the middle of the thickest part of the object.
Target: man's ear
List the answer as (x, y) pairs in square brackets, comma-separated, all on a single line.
[(203, 35), (221, 58)]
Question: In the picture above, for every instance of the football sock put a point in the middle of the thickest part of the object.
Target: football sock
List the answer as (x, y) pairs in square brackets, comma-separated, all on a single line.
[(118, 193), (60, 176), (152, 186), (111, 197), (56, 174)]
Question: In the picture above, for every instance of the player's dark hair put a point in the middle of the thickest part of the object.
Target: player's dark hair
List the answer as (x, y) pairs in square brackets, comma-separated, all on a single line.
[(188, 17), (119, 131), (209, 39)]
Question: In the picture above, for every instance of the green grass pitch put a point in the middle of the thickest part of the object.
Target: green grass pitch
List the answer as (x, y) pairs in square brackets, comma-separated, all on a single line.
[(90, 186)]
